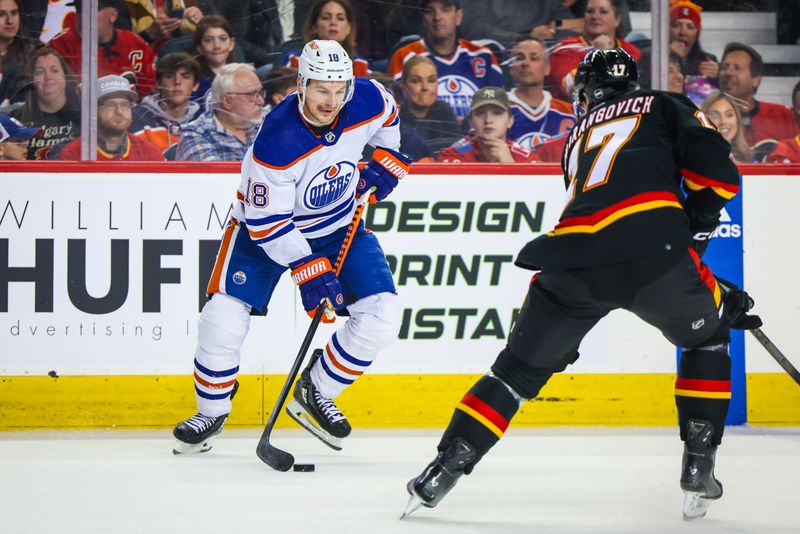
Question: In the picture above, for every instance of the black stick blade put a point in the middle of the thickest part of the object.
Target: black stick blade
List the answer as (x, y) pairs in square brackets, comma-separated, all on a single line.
[(274, 457)]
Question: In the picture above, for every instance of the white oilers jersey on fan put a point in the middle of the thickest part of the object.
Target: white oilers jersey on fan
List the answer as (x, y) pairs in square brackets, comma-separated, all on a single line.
[(297, 185)]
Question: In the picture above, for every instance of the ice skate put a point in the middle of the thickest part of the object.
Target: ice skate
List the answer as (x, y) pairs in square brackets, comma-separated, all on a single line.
[(439, 477), (315, 413), (196, 434), (700, 486)]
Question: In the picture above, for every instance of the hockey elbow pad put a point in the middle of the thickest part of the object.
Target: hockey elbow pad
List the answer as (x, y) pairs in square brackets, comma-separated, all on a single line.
[(384, 171)]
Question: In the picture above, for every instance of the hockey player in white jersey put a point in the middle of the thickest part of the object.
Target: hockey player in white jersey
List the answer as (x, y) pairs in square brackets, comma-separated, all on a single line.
[(299, 184)]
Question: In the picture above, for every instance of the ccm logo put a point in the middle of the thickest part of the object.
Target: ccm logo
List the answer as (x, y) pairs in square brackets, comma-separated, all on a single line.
[(393, 167)]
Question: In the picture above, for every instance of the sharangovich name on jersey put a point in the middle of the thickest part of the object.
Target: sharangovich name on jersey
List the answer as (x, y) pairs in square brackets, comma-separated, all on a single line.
[(328, 185)]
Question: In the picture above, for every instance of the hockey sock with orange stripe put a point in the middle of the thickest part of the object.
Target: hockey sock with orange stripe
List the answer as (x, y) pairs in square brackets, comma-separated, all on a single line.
[(703, 389), (481, 417)]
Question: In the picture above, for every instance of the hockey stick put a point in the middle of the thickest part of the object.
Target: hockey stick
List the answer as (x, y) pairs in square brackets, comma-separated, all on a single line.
[(782, 360), (271, 455), (762, 338)]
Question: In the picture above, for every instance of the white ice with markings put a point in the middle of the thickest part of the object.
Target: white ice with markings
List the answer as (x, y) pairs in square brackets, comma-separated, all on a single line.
[(561, 480)]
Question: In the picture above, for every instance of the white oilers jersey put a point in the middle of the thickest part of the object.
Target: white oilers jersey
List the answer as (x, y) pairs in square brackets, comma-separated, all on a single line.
[(297, 185)]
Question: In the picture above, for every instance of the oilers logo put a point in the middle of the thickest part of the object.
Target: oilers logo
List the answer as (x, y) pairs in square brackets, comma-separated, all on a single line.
[(329, 185), (457, 91), (239, 278), (531, 139)]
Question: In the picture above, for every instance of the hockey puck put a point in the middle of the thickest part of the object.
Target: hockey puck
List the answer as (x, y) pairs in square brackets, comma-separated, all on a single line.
[(305, 468)]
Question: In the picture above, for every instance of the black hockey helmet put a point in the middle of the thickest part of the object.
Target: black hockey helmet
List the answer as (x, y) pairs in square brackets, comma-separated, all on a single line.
[(602, 74)]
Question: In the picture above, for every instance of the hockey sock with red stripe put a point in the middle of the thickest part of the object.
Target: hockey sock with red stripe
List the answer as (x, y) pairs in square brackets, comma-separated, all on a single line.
[(481, 417), (703, 389)]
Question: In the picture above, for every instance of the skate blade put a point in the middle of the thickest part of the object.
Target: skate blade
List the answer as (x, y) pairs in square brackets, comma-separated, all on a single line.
[(187, 448), (414, 504), (694, 506), (302, 418)]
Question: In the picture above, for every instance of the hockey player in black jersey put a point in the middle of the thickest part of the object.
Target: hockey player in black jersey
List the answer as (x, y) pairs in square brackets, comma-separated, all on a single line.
[(647, 175)]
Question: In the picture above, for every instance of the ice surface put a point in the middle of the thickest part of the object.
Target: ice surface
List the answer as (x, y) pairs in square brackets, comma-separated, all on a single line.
[(562, 480)]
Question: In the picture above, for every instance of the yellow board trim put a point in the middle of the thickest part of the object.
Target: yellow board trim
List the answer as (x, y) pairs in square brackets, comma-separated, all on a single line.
[(374, 401), (703, 394), (481, 419)]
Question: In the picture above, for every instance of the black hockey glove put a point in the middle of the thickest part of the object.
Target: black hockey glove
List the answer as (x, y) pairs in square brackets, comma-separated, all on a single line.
[(737, 303)]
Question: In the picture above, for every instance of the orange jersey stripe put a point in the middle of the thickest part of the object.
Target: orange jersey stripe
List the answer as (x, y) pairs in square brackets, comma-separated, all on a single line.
[(206, 383), (339, 366), (213, 283), (265, 233)]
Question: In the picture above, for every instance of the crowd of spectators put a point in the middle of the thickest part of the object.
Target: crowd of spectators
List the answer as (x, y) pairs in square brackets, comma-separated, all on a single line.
[(475, 80)]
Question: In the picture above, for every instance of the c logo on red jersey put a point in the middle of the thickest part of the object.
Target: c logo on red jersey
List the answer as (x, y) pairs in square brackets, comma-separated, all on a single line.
[(135, 57)]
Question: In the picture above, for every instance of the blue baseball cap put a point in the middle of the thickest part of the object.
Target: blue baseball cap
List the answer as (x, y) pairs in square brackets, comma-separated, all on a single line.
[(13, 129)]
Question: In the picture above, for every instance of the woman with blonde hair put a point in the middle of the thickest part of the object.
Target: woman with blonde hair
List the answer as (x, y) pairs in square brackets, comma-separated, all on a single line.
[(432, 118), (331, 20), (722, 111)]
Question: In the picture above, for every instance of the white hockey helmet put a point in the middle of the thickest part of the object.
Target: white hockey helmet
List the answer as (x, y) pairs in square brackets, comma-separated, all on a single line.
[(325, 61)]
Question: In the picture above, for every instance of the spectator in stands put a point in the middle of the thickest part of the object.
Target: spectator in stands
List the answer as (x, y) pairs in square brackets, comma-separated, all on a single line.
[(764, 122), (115, 100), (52, 103), (158, 21), (722, 111), (15, 52), (701, 68), (676, 75), (685, 24), (160, 116), (14, 139), (279, 83), (788, 150), (504, 21), (490, 118), (214, 44), (256, 27), (119, 51), (421, 110), (411, 141), (463, 66), (537, 115), (332, 20), (224, 132), (601, 30)]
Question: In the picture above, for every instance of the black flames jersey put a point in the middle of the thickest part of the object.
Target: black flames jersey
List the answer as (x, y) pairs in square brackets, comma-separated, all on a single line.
[(639, 168)]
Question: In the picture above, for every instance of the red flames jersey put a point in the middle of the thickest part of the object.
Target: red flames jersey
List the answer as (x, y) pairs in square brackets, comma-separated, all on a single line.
[(565, 58), (467, 150), (136, 150), (786, 151), (765, 125), (127, 52)]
